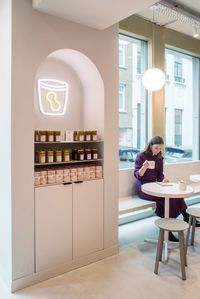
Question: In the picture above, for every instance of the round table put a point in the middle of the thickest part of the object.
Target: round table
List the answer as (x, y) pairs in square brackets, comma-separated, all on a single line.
[(167, 191), (195, 178)]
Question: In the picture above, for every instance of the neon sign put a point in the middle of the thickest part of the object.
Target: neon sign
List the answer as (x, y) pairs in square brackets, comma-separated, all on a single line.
[(52, 96)]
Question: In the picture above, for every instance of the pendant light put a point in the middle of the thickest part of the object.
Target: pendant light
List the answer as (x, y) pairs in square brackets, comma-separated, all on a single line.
[(153, 79)]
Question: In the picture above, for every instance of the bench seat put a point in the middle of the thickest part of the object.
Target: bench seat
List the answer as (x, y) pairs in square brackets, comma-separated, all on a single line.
[(134, 203)]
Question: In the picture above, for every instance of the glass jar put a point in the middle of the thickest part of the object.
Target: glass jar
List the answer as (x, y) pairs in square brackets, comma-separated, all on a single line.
[(66, 156), (88, 136), (88, 154), (37, 136), (94, 154), (81, 135), (41, 157), (75, 136), (81, 154), (50, 156), (42, 136), (75, 154), (36, 157), (94, 135), (50, 136), (58, 156), (57, 136)]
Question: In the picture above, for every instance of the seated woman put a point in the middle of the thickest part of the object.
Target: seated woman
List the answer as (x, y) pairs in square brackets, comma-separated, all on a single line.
[(147, 171)]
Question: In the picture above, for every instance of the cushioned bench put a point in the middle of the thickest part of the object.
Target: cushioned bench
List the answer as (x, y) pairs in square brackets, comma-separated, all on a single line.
[(134, 203), (130, 202)]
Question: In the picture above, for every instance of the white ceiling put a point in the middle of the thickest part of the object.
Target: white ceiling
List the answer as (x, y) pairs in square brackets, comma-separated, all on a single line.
[(98, 14), (190, 6)]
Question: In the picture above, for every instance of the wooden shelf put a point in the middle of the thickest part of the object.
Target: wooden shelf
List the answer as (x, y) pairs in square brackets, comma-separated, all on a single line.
[(69, 162)]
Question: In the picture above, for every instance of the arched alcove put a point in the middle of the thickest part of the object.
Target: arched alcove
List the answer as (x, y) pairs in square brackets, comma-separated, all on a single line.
[(85, 108)]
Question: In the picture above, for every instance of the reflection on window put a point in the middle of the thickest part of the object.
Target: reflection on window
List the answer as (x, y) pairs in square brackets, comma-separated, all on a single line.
[(132, 99), (122, 90), (181, 106)]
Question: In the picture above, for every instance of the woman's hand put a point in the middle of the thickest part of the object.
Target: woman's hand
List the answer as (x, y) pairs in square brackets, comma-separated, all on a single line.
[(144, 167), (145, 164), (165, 180)]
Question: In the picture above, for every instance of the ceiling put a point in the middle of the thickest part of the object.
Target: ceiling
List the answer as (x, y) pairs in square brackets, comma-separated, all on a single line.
[(98, 14), (190, 8)]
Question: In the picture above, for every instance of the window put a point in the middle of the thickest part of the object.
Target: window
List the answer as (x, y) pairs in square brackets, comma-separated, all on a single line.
[(122, 49), (132, 99), (122, 90), (178, 127), (182, 107)]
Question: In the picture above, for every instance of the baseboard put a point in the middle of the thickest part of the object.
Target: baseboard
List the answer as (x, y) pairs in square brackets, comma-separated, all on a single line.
[(34, 278)]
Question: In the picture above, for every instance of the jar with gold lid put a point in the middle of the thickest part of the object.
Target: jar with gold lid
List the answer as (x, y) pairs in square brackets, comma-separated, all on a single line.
[(42, 157), (88, 136), (37, 136), (42, 136), (66, 156), (94, 154), (50, 156), (75, 154), (75, 136), (94, 135), (58, 156), (81, 135), (81, 154), (57, 136), (50, 136), (88, 154)]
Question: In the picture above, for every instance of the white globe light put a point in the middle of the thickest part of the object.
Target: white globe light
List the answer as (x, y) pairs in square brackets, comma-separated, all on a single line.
[(153, 79)]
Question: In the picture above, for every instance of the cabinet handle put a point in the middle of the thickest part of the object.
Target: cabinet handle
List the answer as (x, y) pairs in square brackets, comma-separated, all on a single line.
[(67, 183), (78, 182)]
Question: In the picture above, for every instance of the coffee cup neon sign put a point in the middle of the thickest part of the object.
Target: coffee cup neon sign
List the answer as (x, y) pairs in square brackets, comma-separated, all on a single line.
[(52, 96)]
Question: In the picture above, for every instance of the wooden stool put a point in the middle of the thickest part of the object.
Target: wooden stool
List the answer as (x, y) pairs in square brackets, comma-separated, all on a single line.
[(171, 225), (194, 214)]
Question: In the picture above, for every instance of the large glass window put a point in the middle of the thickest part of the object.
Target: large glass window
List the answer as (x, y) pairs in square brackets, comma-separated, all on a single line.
[(182, 107), (133, 117)]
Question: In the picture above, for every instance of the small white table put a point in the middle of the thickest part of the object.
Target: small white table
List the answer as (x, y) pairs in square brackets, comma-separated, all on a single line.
[(166, 191)]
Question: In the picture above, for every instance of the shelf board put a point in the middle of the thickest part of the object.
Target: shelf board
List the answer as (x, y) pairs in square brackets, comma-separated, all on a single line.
[(68, 142), (69, 162)]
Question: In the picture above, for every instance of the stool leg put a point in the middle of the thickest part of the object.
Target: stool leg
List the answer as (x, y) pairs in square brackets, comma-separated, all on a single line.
[(188, 235), (159, 250), (193, 229), (182, 254)]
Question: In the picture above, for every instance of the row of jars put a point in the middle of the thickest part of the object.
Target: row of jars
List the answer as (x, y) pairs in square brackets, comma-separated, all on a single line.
[(85, 135), (55, 136), (47, 136), (51, 156), (67, 174)]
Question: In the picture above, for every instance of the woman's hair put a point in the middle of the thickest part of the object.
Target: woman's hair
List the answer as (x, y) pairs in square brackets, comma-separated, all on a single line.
[(155, 140)]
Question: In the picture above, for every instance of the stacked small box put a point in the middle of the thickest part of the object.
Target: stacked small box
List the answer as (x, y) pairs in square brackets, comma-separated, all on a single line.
[(80, 173), (98, 172), (86, 173), (43, 177), (73, 174), (59, 175), (92, 172), (66, 175), (51, 176), (37, 178)]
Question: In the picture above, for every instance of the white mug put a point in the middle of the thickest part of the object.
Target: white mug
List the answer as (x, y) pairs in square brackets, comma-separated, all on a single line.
[(182, 185), (151, 164)]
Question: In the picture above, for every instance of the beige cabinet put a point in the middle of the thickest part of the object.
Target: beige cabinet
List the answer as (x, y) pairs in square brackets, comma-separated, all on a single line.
[(87, 217), (68, 222), (53, 226)]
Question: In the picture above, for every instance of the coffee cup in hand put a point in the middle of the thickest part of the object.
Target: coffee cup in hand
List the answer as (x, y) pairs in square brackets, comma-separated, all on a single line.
[(151, 164)]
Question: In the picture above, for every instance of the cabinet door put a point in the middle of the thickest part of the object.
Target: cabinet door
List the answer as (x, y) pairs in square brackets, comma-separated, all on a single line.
[(87, 217), (53, 226)]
